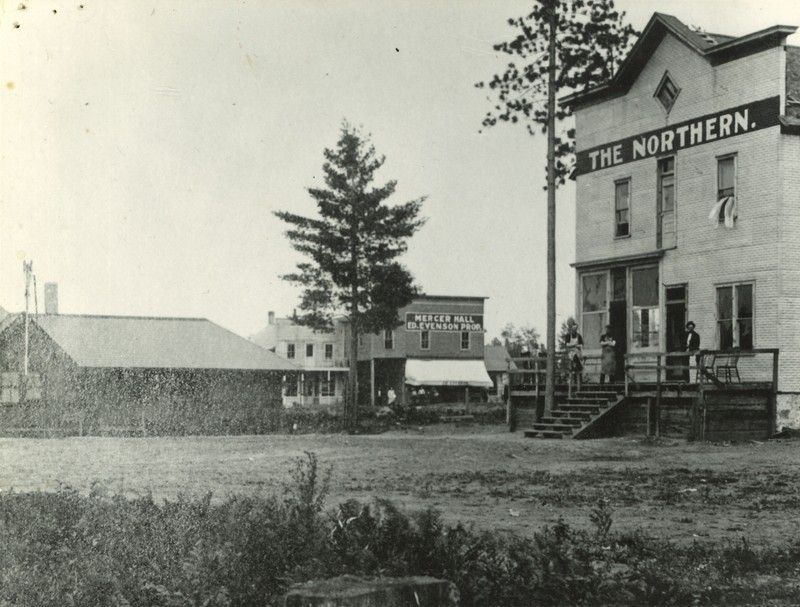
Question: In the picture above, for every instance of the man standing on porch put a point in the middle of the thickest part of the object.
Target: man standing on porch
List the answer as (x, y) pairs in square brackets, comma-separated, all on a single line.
[(692, 344)]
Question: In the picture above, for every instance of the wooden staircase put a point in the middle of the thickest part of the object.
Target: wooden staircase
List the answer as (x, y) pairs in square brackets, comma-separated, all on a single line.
[(577, 417)]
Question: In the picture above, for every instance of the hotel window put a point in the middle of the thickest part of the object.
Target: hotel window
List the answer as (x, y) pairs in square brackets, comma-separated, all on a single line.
[(667, 92), (735, 317), (360, 340), (388, 340), (309, 350), (622, 208), (594, 306), (644, 302), (465, 340), (726, 188), (665, 228), (424, 340), (328, 351), (289, 350)]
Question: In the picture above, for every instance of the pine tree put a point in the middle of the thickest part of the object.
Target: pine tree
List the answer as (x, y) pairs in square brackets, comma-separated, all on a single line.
[(351, 249), (592, 41)]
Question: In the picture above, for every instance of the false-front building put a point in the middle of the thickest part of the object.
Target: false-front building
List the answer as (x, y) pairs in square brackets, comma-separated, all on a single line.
[(688, 197), (435, 355)]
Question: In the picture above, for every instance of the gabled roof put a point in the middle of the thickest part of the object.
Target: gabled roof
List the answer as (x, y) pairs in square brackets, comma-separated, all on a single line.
[(155, 343), (496, 358), (715, 48)]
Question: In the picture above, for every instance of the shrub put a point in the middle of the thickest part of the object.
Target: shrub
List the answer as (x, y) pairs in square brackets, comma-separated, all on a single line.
[(65, 548)]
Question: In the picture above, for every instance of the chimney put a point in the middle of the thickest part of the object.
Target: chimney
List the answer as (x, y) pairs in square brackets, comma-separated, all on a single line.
[(51, 298), (271, 317)]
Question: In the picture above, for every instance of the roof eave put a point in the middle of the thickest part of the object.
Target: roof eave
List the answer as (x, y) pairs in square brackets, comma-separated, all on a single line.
[(749, 44)]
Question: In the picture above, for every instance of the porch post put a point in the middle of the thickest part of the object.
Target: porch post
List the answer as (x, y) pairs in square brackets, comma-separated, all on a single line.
[(372, 381)]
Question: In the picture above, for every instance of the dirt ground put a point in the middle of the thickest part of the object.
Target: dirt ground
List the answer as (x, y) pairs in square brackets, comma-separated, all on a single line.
[(480, 475)]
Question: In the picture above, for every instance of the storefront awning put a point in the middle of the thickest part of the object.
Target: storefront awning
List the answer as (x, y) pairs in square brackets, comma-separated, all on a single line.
[(468, 373)]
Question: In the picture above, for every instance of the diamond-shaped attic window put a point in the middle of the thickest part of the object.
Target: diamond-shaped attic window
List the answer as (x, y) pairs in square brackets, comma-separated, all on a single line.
[(667, 92)]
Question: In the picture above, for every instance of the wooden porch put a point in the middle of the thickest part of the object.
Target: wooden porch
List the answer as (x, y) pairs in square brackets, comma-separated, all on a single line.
[(728, 396)]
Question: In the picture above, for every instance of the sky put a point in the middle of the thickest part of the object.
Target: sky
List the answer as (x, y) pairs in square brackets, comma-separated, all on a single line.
[(146, 144)]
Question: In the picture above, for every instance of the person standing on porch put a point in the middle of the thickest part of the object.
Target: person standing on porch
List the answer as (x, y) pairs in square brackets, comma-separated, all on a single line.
[(691, 343), (608, 361), (574, 344)]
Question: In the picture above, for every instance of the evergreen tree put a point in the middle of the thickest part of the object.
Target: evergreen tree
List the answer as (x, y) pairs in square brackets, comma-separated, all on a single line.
[(593, 40), (351, 249)]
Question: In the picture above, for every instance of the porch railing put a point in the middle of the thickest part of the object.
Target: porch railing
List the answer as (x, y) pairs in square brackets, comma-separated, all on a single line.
[(708, 370)]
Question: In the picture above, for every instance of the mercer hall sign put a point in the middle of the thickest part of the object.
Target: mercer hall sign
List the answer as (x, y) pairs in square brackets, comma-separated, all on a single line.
[(705, 129), (443, 322)]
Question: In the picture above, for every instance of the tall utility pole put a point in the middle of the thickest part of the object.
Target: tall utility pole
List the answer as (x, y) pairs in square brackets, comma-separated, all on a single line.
[(27, 267), (550, 378)]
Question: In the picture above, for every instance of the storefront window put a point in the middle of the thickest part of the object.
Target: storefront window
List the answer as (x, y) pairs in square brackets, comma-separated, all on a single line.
[(594, 308), (646, 320)]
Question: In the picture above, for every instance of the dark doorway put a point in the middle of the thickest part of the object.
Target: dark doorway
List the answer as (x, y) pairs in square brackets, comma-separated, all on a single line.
[(618, 318), (675, 329)]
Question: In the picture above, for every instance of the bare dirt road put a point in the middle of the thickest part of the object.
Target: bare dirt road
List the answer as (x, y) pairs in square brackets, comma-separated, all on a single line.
[(481, 476)]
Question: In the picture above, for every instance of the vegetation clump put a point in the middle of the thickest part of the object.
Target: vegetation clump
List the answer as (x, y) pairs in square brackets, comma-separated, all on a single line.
[(67, 548)]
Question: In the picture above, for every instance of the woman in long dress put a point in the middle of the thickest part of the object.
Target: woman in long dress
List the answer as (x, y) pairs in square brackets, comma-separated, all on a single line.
[(608, 360)]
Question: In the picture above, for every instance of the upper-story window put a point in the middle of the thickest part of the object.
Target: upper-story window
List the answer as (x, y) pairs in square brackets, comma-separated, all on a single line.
[(328, 351), (465, 340), (289, 350), (665, 228), (388, 340), (667, 92), (309, 350), (424, 340), (622, 207), (360, 340), (726, 190)]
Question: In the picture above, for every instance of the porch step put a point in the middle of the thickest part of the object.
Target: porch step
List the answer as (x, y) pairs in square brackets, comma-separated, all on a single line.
[(578, 408), (544, 434), (575, 417), (564, 420)]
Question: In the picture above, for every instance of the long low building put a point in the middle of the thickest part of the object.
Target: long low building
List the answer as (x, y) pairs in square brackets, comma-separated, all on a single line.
[(95, 374)]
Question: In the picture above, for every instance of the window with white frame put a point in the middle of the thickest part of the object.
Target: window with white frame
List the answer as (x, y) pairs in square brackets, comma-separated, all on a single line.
[(465, 340), (735, 313), (388, 340), (666, 226), (309, 350), (645, 309), (360, 340), (424, 340), (33, 386), (594, 308), (328, 351), (726, 189), (10, 388), (289, 350), (622, 207)]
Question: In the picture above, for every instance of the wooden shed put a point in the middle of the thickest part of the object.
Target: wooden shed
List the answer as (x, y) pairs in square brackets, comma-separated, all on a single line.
[(120, 374)]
